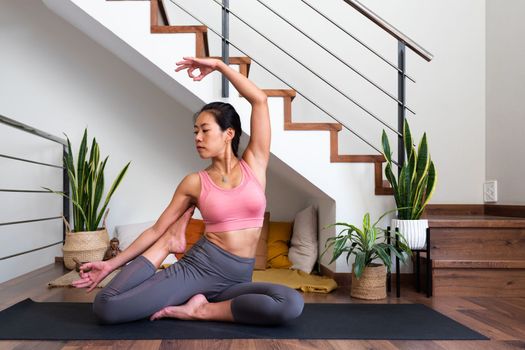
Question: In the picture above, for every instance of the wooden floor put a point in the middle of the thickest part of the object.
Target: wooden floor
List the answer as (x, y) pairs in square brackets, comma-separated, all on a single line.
[(500, 319)]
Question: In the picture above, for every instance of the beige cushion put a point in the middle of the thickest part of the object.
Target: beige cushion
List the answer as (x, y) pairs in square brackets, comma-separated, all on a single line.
[(126, 234), (303, 246)]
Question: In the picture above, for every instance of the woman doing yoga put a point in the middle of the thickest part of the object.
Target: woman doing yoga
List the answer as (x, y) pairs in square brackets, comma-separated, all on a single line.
[(213, 279)]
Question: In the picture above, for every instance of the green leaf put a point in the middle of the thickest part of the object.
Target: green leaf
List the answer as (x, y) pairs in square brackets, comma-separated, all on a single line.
[(423, 163), (99, 187), (111, 191), (431, 186), (92, 152), (350, 251), (386, 147), (404, 192), (366, 222), (410, 186), (384, 256), (81, 170), (393, 182), (423, 158), (359, 264), (69, 157), (407, 139), (418, 200)]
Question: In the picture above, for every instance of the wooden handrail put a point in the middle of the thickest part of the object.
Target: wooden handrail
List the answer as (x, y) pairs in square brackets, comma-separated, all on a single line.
[(387, 27)]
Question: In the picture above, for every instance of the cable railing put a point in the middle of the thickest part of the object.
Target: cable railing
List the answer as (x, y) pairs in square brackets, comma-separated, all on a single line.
[(359, 41), (387, 27), (403, 42), (298, 91), (65, 182), (333, 55)]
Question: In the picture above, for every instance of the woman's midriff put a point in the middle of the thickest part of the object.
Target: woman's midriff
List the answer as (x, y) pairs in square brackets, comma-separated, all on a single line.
[(242, 243)]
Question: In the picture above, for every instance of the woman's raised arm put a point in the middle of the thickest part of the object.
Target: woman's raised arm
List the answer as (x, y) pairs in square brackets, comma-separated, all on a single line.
[(260, 132)]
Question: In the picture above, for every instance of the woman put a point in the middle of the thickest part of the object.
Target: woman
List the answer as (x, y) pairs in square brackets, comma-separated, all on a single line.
[(213, 279)]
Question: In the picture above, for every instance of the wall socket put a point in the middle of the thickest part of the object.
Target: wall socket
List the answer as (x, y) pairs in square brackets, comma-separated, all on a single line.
[(490, 191)]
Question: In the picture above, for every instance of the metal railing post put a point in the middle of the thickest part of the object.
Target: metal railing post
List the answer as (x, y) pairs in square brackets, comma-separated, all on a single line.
[(401, 89), (65, 189), (225, 43)]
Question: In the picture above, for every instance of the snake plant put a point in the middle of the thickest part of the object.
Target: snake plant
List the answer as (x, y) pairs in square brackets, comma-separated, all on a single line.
[(417, 178), (367, 244), (87, 185)]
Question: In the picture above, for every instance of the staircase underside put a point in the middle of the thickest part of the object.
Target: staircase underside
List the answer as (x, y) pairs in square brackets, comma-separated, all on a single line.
[(382, 187)]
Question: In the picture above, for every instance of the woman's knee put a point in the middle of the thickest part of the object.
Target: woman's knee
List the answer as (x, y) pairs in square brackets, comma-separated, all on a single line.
[(104, 308), (273, 305), (291, 306)]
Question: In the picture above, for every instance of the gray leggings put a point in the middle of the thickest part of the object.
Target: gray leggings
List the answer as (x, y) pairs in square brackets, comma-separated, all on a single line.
[(138, 291)]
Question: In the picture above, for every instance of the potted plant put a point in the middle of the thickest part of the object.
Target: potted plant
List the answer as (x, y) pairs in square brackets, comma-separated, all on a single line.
[(87, 241), (413, 188), (368, 244)]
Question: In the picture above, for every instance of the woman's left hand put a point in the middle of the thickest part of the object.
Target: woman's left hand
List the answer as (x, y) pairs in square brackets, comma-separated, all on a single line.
[(204, 65)]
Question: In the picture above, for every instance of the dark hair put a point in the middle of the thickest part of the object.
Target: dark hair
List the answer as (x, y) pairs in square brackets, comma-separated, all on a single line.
[(227, 117)]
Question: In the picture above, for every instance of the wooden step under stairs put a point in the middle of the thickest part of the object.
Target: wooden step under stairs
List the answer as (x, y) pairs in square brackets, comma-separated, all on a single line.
[(382, 187), (477, 255)]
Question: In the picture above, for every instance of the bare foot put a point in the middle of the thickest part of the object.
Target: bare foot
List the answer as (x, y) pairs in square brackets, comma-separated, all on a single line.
[(177, 231), (188, 311)]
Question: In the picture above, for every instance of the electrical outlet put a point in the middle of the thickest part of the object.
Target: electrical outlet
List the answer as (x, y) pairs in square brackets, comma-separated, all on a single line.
[(490, 191)]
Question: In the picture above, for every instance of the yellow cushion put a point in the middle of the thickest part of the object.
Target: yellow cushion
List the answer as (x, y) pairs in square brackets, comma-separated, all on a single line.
[(279, 234), (262, 245)]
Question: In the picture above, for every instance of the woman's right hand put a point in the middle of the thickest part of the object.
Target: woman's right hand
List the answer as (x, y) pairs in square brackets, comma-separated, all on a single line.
[(97, 271), (204, 65)]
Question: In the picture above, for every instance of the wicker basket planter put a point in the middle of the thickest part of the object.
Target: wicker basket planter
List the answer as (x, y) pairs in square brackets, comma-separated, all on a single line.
[(372, 283), (85, 246)]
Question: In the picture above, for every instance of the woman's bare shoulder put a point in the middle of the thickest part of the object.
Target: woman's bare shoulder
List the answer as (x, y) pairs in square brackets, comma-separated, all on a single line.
[(191, 185)]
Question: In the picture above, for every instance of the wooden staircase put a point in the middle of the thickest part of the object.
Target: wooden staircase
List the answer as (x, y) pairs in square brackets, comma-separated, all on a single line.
[(382, 187), (477, 255)]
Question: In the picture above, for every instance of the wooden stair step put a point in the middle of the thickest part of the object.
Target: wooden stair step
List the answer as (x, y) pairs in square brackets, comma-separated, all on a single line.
[(357, 158), (475, 221), (178, 29), (478, 264), (280, 93), (236, 59), (477, 244), (244, 63), (201, 36), (478, 278), (312, 126), (477, 255), (476, 237)]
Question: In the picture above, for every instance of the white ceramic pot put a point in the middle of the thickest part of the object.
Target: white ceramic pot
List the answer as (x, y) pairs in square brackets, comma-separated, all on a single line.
[(414, 231)]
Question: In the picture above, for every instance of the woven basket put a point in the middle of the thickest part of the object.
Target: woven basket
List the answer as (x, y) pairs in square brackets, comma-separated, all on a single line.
[(371, 285), (85, 246)]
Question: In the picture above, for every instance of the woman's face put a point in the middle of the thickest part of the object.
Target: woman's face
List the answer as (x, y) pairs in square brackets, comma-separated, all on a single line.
[(210, 140)]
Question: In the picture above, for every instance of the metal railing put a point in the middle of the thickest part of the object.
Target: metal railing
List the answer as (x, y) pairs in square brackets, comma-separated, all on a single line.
[(403, 42), (65, 181), (387, 27)]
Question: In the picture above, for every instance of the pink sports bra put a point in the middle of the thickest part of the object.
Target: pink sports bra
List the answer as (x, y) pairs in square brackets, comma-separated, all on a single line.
[(232, 209)]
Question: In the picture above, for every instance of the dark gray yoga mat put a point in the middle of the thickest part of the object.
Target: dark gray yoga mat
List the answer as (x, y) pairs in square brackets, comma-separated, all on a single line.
[(29, 320)]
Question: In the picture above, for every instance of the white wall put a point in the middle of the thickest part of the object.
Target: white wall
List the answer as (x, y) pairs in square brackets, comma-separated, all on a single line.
[(56, 79), (505, 99), (64, 75), (449, 96)]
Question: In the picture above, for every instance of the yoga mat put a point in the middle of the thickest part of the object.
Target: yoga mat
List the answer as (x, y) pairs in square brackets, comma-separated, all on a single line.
[(29, 320)]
